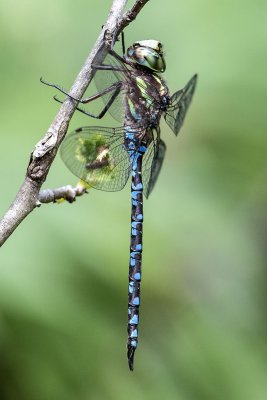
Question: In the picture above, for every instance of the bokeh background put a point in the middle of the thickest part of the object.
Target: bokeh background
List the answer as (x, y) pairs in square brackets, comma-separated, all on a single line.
[(63, 274)]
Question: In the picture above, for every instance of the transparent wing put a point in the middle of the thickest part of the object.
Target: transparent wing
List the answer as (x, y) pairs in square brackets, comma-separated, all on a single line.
[(156, 166), (180, 102), (152, 164), (107, 78), (97, 156)]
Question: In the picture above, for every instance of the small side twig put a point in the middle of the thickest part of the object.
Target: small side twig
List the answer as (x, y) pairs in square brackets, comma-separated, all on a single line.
[(68, 193), (132, 14), (46, 149)]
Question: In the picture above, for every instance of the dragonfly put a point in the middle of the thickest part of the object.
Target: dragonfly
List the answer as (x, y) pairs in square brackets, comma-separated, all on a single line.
[(135, 94)]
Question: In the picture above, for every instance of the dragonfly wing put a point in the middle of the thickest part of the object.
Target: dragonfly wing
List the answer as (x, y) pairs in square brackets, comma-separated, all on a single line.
[(97, 156), (152, 164), (180, 102), (107, 78)]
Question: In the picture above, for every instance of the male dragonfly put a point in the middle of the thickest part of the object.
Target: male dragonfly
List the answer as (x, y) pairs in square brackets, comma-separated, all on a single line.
[(135, 94)]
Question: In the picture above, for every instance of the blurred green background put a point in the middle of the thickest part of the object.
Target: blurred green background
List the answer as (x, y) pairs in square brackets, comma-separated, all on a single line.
[(63, 275)]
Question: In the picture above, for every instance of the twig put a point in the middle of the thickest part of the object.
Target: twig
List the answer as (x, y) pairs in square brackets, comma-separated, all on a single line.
[(45, 150), (131, 14), (68, 193)]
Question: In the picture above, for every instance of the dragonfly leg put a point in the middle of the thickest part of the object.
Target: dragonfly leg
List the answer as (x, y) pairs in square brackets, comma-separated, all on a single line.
[(118, 57), (104, 67), (123, 42), (115, 39), (58, 88), (105, 109), (88, 99), (115, 87)]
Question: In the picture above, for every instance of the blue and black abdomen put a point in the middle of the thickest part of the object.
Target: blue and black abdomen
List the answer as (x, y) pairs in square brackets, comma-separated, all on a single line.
[(135, 265)]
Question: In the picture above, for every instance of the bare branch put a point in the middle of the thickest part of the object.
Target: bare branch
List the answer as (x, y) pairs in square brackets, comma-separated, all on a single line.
[(131, 14), (68, 193), (45, 150)]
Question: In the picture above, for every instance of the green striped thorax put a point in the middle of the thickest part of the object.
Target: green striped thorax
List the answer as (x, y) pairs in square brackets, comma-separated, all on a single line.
[(147, 53)]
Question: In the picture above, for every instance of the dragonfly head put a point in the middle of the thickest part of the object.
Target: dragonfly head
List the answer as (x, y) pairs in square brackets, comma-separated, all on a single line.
[(147, 53)]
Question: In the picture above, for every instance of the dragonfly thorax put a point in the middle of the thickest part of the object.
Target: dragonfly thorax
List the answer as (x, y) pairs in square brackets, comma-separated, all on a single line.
[(147, 53)]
